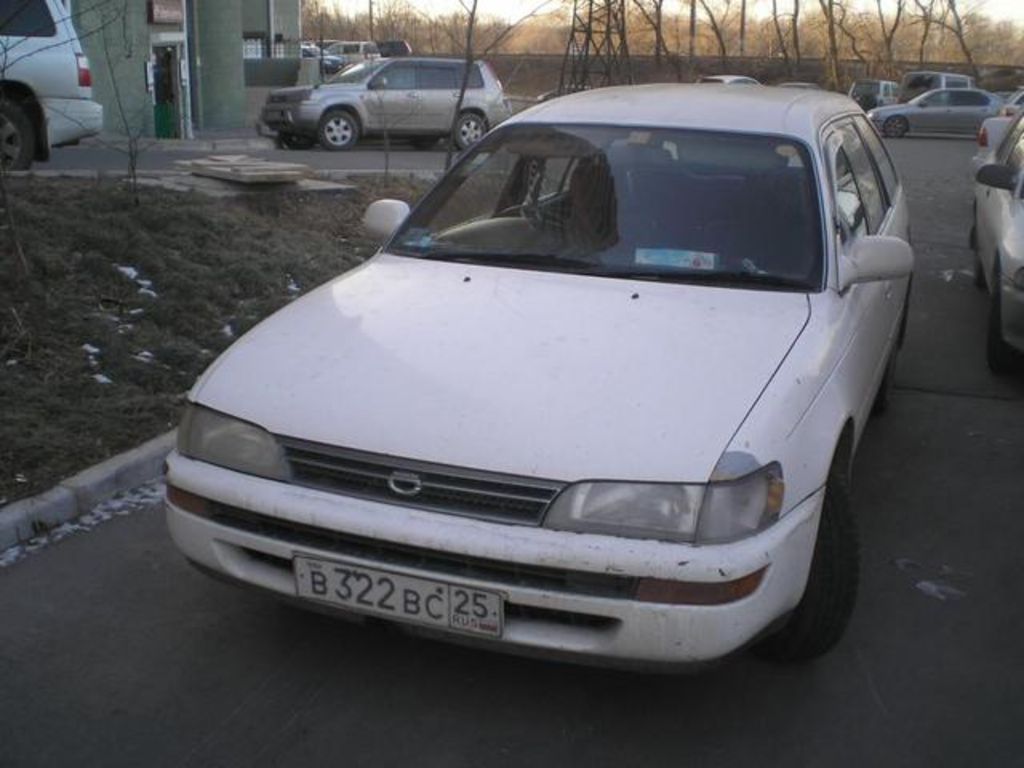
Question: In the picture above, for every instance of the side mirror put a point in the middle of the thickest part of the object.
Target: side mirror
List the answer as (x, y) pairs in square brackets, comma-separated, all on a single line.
[(378, 83), (870, 258), (383, 217), (997, 176)]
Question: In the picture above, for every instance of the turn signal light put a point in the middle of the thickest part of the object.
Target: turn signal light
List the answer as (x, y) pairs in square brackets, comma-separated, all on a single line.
[(189, 502), (983, 137), (698, 592)]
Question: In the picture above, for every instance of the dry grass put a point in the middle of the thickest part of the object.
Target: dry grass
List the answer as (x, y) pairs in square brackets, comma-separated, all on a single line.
[(212, 264)]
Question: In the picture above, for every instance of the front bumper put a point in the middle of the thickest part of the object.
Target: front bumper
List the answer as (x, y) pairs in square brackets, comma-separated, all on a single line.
[(540, 619), (70, 120), (294, 117)]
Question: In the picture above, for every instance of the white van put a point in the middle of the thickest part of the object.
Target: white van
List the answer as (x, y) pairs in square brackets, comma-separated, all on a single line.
[(46, 84), (915, 83)]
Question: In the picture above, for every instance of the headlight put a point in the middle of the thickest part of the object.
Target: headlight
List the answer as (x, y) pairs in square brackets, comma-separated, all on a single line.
[(209, 436), (716, 512)]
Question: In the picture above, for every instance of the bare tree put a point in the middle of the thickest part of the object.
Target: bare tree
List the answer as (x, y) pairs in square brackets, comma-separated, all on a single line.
[(830, 10), (718, 25), (780, 38), (653, 12), (956, 26), (795, 27), (888, 31), (930, 13), (743, 28)]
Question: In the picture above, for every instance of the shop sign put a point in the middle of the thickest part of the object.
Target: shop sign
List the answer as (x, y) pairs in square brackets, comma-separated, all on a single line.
[(166, 12)]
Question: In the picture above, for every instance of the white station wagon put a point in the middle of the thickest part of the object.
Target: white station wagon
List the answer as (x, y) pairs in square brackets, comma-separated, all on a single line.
[(596, 398)]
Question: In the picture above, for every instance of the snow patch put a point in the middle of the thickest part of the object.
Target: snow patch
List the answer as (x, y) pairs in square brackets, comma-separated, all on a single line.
[(99, 378), (90, 350), (148, 292), (128, 271), (121, 505), (228, 331), (145, 356)]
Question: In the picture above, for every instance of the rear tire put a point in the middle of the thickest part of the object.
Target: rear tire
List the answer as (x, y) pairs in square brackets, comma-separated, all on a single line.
[(820, 618), (895, 127), (469, 129), (17, 137)]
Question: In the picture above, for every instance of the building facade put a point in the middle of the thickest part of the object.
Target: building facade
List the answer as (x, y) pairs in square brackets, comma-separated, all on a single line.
[(165, 68)]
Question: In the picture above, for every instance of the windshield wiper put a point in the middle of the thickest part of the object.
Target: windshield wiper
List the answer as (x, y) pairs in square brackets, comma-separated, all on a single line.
[(524, 260), (709, 278)]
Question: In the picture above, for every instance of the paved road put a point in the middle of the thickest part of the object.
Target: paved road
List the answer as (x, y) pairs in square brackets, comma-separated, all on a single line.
[(368, 156), (113, 652)]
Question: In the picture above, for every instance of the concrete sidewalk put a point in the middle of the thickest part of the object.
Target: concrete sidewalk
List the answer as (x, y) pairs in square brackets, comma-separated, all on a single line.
[(242, 140)]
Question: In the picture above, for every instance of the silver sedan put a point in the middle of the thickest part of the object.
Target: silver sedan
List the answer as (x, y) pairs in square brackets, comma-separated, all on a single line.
[(943, 110)]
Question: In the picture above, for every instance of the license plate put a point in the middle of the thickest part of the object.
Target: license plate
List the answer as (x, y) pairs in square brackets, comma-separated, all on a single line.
[(396, 596)]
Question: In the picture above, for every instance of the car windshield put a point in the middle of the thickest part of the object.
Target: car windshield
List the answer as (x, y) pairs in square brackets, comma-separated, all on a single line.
[(864, 87), (356, 73), (660, 204)]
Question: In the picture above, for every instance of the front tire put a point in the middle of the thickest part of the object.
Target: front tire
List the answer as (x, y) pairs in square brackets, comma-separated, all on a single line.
[(895, 127), (820, 618), (17, 137), (338, 131), (469, 129)]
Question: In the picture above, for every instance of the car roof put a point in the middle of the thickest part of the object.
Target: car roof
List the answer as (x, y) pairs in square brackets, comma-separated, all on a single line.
[(794, 112)]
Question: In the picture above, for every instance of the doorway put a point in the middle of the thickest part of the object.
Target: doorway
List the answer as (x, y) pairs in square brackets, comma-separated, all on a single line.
[(166, 92)]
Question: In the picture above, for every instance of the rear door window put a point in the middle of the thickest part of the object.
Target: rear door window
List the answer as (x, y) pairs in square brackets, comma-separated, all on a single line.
[(26, 18), (968, 99), (438, 77), (866, 178), (883, 162)]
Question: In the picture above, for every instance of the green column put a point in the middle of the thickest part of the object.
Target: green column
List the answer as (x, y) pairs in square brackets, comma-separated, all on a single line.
[(218, 25), (115, 38)]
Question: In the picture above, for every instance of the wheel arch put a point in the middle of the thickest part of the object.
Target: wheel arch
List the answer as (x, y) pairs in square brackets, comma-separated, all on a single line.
[(345, 107)]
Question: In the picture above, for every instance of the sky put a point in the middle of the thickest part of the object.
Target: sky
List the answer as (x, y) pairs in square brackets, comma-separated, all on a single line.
[(1000, 9)]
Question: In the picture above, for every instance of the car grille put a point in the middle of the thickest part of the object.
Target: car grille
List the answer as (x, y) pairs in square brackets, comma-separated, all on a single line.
[(434, 487), (387, 553)]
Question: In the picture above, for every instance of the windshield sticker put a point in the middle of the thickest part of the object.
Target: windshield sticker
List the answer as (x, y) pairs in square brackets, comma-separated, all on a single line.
[(671, 257), (418, 238)]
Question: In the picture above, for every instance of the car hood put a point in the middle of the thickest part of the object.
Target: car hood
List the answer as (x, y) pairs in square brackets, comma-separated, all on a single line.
[(890, 110), (539, 374)]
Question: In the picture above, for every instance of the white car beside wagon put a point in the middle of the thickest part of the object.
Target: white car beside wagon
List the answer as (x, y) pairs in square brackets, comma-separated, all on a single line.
[(597, 397)]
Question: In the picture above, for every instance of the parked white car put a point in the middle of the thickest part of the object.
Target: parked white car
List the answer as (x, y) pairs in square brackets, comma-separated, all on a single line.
[(990, 137), (597, 397), (998, 241), (46, 82)]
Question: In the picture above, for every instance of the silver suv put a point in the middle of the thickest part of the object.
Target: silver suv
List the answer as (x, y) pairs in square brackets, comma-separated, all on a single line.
[(45, 83), (408, 97)]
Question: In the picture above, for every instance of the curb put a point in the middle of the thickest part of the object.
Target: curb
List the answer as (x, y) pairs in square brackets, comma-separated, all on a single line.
[(23, 519), (184, 145)]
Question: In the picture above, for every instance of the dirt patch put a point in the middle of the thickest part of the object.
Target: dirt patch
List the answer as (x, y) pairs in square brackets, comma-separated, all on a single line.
[(125, 306)]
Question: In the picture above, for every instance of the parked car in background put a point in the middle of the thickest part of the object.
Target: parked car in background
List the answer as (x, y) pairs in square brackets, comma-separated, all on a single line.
[(874, 93), (947, 110), (914, 84), (390, 49), (1013, 103), (410, 98), (728, 80), (351, 52), (594, 398), (47, 84), (998, 242), (329, 65), (990, 137)]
